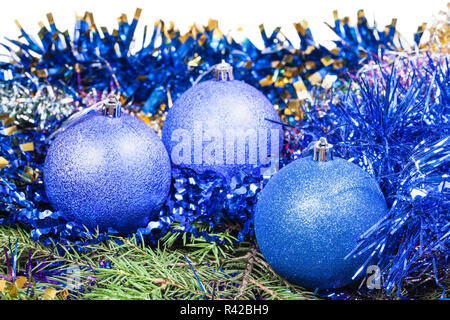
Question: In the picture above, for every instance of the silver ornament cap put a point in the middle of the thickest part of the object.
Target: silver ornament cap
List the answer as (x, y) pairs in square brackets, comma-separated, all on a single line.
[(112, 107), (322, 150), (223, 71)]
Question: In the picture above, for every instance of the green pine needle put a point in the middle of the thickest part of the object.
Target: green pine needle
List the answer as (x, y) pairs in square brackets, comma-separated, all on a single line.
[(136, 271), (143, 272)]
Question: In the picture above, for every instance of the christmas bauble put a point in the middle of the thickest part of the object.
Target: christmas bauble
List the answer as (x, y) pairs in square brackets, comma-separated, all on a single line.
[(310, 216), (108, 170), (223, 125)]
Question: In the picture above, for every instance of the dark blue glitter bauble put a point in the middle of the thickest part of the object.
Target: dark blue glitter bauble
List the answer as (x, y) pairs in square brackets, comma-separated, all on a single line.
[(108, 172), (210, 121), (310, 215)]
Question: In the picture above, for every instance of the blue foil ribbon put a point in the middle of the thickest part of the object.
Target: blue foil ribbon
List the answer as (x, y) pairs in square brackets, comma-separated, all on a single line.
[(94, 58)]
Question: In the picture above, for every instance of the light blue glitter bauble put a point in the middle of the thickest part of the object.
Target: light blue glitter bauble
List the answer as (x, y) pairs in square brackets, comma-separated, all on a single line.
[(108, 172), (228, 107), (310, 215)]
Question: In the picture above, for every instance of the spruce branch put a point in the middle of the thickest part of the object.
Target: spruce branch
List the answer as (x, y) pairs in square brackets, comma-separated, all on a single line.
[(263, 288), (248, 271), (123, 268)]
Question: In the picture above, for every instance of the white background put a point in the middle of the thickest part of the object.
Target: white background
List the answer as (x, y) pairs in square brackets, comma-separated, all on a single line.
[(231, 14)]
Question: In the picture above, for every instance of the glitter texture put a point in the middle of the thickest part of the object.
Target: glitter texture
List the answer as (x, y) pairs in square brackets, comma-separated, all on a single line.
[(108, 172), (309, 217), (226, 106)]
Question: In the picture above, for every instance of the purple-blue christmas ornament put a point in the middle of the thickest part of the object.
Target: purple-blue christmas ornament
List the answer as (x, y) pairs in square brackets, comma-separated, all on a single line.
[(310, 215), (223, 125), (108, 170)]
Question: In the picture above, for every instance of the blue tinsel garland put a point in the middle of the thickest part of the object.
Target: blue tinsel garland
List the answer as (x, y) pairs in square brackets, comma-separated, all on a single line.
[(162, 70), (395, 127)]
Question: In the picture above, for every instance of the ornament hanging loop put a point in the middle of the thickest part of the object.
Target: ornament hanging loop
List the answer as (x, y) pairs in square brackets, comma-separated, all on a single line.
[(112, 107), (322, 150), (223, 71)]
